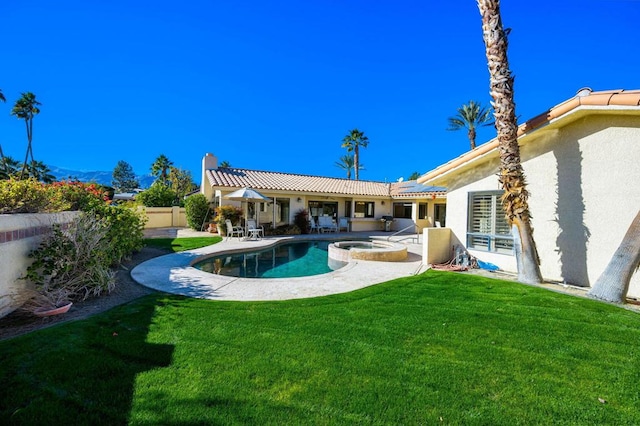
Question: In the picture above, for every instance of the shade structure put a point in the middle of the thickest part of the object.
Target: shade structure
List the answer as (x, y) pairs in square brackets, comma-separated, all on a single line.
[(247, 194)]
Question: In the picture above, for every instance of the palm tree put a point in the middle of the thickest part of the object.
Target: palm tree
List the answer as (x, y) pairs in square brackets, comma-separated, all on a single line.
[(469, 117), (511, 177), (613, 284), (353, 141), (4, 170), (346, 163), (225, 163), (9, 167), (160, 168), (41, 172), (25, 109)]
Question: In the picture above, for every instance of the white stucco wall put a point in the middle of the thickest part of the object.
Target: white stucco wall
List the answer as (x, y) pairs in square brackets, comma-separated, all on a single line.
[(583, 195)]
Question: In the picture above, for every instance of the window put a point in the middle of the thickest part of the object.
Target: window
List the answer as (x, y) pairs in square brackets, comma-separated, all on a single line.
[(488, 228), (364, 209), (402, 210), (422, 211), (440, 214)]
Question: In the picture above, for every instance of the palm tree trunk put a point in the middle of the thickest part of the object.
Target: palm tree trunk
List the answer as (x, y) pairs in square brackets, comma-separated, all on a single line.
[(515, 198), (26, 157), (356, 160), (613, 284), (472, 138)]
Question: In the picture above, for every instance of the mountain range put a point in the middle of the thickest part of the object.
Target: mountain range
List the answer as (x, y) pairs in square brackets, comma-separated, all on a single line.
[(103, 178)]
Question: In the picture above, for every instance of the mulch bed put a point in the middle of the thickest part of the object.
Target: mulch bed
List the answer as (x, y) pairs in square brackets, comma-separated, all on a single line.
[(126, 290)]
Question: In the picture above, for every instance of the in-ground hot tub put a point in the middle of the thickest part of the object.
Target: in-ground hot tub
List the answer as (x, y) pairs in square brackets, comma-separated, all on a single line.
[(381, 251)]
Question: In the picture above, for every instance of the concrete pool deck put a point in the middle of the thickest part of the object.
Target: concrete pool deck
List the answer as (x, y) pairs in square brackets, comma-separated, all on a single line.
[(173, 273)]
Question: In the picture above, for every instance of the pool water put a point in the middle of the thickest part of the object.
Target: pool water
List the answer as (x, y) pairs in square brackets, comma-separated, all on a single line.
[(297, 259)]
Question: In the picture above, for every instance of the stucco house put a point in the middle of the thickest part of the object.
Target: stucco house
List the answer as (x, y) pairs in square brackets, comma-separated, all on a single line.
[(581, 159), (362, 203)]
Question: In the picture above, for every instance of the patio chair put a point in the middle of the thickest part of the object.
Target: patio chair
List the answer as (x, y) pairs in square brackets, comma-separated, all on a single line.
[(343, 223), (254, 231), (233, 230), (314, 225), (327, 223)]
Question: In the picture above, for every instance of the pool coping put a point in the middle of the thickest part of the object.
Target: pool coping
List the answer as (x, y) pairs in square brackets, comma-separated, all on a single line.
[(173, 273)]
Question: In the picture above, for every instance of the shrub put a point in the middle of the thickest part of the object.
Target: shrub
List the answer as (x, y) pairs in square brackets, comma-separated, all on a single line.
[(124, 230), (28, 196), (301, 220), (229, 212), (197, 211), (77, 195), (158, 195), (73, 262)]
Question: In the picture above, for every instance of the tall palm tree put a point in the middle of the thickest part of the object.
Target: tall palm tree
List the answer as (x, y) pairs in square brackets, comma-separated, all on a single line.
[(512, 179), (353, 141), (346, 163), (25, 109), (160, 168), (4, 170), (470, 116)]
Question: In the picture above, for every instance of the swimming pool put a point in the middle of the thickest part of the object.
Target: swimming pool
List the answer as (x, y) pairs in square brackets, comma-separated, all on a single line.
[(291, 259)]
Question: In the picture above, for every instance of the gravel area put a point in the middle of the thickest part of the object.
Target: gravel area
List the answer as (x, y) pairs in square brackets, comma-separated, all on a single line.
[(18, 322)]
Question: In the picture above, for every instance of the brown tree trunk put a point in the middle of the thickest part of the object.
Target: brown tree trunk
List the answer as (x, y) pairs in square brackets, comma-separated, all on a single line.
[(515, 198), (613, 284), (471, 134)]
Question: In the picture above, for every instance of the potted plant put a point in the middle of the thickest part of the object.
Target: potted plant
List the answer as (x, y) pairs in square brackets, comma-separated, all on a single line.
[(223, 213)]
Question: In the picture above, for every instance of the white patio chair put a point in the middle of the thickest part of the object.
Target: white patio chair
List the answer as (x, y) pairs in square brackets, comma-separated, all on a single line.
[(254, 231), (233, 230), (327, 223), (314, 225), (343, 223)]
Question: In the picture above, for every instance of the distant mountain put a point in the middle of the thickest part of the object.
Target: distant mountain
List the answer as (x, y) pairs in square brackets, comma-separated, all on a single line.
[(103, 178)]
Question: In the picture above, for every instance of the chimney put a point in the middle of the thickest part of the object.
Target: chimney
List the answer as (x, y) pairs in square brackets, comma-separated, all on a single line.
[(209, 162)]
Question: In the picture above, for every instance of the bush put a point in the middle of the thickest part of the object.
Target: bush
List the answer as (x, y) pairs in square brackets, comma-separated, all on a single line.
[(73, 263), (158, 195), (124, 230), (223, 213), (301, 220), (197, 211), (29, 196)]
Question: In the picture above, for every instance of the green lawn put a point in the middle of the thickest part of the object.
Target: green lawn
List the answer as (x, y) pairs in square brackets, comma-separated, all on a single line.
[(439, 348), (181, 244)]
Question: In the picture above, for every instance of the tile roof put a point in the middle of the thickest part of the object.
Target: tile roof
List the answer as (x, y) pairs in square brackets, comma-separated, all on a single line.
[(228, 177), (611, 99)]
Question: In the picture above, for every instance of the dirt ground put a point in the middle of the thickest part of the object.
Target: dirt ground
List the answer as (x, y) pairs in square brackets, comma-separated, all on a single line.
[(18, 323)]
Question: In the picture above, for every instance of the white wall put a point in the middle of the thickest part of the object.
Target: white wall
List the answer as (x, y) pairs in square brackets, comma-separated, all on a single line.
[(583, 195), (21, 233)]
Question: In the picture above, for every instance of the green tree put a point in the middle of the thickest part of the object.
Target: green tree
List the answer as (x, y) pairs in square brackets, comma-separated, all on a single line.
[(158, 195), (41, 172), (414, 176), (511, 175), (470, 116), (3, 170), (10, 167), (198, 211), (346, 163), (26, 108), (123, 177), (181, 182), (353, 141), (160, 168), (225, 163)]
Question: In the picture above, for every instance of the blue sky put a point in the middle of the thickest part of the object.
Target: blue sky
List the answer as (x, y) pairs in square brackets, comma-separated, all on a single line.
[(276, 85)]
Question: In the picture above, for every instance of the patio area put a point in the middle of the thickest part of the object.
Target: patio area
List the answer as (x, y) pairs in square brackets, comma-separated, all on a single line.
[(173, 273)]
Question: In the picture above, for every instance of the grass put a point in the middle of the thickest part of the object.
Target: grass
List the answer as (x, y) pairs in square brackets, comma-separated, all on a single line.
[(439, 348), (181, 244)]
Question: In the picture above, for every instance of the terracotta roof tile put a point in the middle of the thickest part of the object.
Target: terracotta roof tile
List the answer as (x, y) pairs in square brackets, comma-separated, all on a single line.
[(264, 180)]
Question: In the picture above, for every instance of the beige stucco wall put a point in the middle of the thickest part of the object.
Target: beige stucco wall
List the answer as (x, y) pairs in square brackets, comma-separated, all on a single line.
[(583, 195), (436, 245), (164, 217), (27, 232)]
